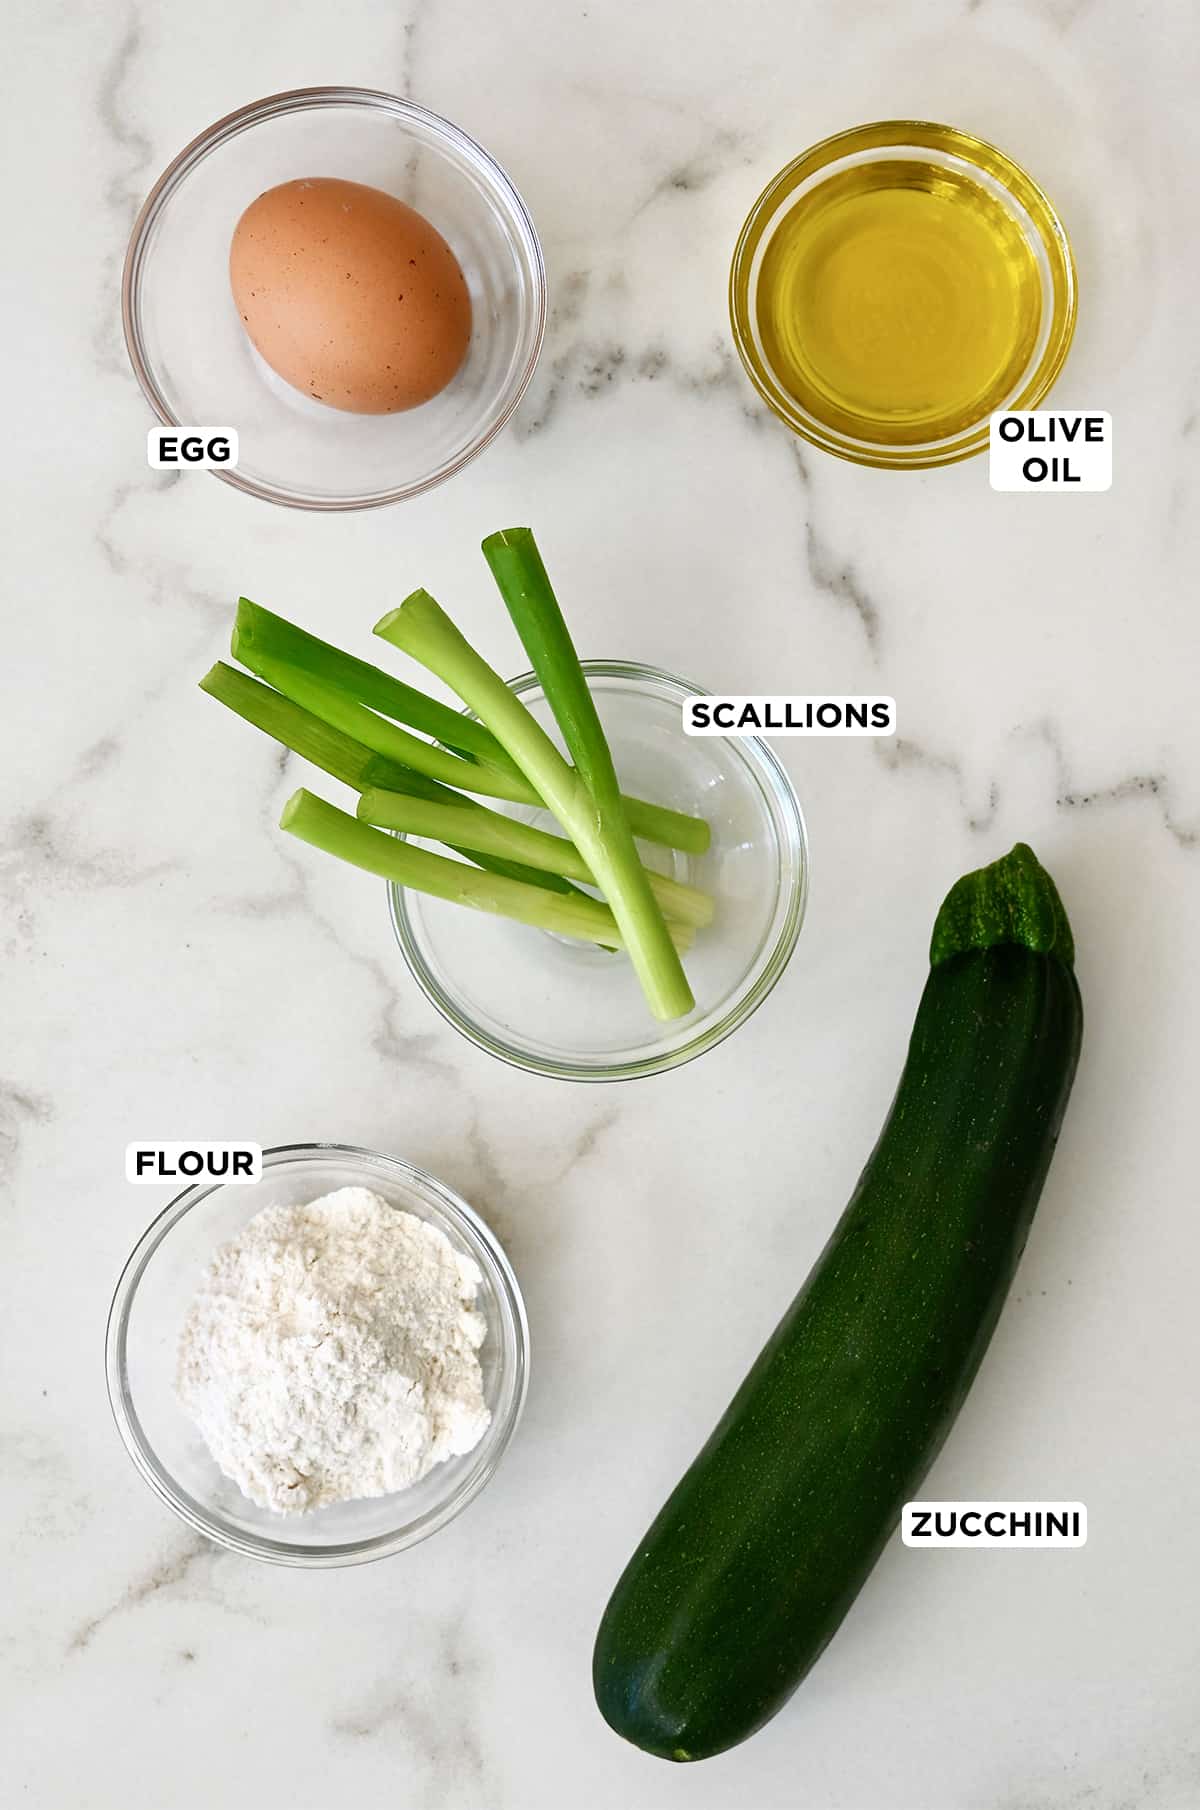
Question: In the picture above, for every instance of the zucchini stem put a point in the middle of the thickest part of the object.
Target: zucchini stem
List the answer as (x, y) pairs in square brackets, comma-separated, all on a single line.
[(1012, 900)]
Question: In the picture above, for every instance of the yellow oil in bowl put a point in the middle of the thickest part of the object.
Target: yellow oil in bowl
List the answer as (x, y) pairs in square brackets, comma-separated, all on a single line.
[(896, 285)]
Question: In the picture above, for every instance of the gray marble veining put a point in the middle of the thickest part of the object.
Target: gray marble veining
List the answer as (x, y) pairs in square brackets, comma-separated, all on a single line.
[(171, 964)]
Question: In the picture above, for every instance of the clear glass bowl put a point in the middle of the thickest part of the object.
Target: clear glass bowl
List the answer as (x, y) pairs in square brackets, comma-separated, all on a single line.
[(562, 1008), (152, 1299), (196, 364), (939, 148)]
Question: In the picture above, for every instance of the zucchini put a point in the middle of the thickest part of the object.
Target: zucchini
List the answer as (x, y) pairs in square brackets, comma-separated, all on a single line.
[(748, 1571)]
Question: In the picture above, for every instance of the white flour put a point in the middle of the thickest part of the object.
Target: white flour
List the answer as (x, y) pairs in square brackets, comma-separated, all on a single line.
[(331, 1352)]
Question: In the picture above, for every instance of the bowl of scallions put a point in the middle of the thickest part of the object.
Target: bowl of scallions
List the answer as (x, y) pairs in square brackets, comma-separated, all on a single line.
[(578, 886), (556, 1005)]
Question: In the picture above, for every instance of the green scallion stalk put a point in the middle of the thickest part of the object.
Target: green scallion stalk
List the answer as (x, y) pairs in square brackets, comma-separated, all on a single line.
[(524, 584), (517, 870), (389, 739), (673, 829), (305, 734), (336, 833), (260, 634), (347, 760), (490, 833), (594, 820)]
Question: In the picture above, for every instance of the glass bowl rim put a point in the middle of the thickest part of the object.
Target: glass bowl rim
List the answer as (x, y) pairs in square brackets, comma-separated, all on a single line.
[(289, 1552), (299, 100), (769, 768), (881, 136)]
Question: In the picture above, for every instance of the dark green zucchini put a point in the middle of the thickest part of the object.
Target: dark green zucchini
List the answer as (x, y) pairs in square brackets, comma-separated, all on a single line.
[(747, 1572)]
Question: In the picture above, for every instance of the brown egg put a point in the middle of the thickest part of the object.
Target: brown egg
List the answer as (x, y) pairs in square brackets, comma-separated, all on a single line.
[(350, 295)]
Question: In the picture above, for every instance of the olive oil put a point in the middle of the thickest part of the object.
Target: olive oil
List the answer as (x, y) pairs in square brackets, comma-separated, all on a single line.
[(899, 300)]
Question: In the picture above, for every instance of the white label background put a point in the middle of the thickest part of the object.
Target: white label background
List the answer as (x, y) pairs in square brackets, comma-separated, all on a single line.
[(172, 1149), (1090, 461), (777, 704), (203, 438), (993, 1541)]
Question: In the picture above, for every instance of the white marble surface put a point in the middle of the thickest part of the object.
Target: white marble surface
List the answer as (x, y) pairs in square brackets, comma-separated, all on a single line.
[(1044, 656)]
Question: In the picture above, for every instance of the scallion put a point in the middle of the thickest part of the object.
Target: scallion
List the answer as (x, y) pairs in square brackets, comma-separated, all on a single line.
[(268, 644), (333, 831), (260, 634), (490, 833), (595, 822), (347, 760), (334, 707)]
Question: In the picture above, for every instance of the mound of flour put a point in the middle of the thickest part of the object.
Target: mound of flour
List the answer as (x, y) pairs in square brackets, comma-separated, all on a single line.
[(331, 1353)]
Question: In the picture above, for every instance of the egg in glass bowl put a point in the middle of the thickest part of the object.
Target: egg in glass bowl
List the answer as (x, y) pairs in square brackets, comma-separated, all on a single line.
[(227, 326)]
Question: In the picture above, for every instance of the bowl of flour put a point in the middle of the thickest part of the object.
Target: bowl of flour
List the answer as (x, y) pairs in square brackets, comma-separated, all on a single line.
[(321, 1367)]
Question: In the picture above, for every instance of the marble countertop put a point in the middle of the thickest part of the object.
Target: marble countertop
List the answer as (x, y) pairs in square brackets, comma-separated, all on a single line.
[(1044, 655)]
